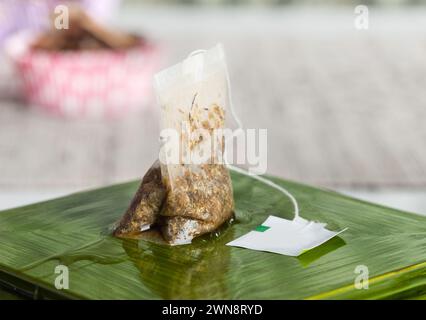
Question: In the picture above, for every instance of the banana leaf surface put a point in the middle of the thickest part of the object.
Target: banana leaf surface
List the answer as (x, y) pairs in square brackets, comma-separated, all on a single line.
[(75, 231)]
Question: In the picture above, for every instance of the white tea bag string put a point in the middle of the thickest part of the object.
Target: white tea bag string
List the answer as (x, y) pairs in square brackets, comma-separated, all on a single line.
[(271, 184), (242, 171)]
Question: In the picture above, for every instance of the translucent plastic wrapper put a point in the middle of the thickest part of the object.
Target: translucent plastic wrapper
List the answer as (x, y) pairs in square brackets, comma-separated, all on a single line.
[(188, 192)]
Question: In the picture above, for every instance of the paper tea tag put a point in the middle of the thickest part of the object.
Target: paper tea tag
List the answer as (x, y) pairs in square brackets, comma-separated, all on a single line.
[(288, 237)]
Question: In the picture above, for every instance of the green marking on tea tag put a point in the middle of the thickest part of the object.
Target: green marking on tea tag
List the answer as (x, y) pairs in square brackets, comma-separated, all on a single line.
[(261, 228)]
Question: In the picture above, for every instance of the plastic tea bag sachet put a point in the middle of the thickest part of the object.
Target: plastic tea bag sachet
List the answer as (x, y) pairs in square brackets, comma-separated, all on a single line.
[(193, 96), (188, 192)]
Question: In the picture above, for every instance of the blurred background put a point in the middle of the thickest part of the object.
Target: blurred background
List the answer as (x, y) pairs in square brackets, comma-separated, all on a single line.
[(345, 108)]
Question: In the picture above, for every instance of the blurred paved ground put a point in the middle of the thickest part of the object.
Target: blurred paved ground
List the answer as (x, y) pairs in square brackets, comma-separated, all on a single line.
[(343, 108)]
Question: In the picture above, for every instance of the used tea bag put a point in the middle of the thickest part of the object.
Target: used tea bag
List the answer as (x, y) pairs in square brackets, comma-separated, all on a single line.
[(193, 96), (188, 192)]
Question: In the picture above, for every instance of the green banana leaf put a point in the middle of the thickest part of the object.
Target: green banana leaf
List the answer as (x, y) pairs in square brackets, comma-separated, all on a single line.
[(75, 231), (6, 295)]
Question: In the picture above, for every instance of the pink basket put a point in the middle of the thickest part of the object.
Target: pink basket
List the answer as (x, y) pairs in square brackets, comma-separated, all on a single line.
[(99, 83)]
